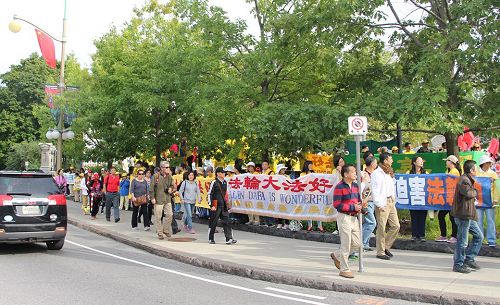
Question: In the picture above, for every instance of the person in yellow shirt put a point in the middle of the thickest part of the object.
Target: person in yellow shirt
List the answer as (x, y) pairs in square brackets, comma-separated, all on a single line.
[(281, 171), (453, 166), (485, 170), (408, 149)]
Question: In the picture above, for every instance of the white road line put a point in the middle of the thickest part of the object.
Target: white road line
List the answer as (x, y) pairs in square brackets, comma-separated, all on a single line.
[(194, 276), (296, 293)]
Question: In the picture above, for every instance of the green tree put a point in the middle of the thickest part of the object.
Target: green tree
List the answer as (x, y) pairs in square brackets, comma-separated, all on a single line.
[(22, 154)]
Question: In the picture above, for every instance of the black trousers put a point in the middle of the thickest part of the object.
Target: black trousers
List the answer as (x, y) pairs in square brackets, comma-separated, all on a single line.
[(418, 218), (214, 218), (95, 203), (442, 224), (147, 213), (144, 211)]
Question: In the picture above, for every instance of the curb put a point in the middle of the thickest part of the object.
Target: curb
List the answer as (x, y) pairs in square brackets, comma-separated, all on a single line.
[(400, 244), (415, 295)]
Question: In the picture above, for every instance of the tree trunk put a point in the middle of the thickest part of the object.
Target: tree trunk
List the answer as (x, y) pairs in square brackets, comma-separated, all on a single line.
[(157, 138), (110, 164), (451, 143), (399, 138), (265, 155)]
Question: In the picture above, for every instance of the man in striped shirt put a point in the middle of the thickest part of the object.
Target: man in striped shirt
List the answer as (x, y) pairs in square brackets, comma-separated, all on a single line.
[(347, 201)]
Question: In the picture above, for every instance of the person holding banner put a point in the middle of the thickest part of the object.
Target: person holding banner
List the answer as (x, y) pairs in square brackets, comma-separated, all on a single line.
[(384, 198), (347, 201), (282, 223), (418, 217), (453, 166), (219, 205), (252, 219), (308, 169), (485, 164), (465, 213)]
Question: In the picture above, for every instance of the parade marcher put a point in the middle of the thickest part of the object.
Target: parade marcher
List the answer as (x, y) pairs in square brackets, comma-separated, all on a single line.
[(111, 187), (149, 208), (160, 191), (85, 193), (266, 170), (124, 191), (418, 217), (307, 168), (139, 190), (369, 220), (77, 186), (280, 170), (485, 170), (219, 205), (347, 201), (384, 198), (190, 194), (394, 149), (252, 218), (425, 147), (95, 195), (61, 181), (408, 149), (465, 215), (453, 168)]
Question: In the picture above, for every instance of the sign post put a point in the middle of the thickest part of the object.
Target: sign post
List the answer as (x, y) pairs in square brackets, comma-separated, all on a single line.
[(358, 127)]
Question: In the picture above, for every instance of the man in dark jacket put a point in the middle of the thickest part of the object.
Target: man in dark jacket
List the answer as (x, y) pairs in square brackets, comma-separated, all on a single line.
[(465, 214), (217, 198)]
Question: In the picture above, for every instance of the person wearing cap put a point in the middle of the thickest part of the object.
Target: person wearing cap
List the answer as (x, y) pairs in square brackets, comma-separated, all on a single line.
[(124, 191), (252, 218), (229, 170), (408, 149), (219, 206), (453, 168), (394, 149), (476, 147), (485, 170), (281, 171), (77, 186), (425, 147)]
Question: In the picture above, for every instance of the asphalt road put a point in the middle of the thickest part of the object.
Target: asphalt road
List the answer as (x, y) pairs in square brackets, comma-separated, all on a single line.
[(92, 269)]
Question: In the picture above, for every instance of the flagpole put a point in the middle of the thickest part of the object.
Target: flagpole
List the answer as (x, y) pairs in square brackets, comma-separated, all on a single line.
[(61, 91)]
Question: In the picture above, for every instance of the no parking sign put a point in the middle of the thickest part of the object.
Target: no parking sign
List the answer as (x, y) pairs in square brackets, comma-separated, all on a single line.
[(357, 125)]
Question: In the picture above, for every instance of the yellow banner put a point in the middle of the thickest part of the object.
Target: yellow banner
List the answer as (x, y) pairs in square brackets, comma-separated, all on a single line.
[(204, 185), (321, 164)]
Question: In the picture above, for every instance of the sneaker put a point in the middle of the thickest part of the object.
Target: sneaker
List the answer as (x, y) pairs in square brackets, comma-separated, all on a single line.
[(388, 253), (367, 249), (336, 232), (372, 235), (135, 228), (441, 239), (472, 265), (147, 228), (452, 240), (279, 226), (231, 242), (354, 256), (461, 269), (384, 257), (285, 227), (117, 220), (492, 245), (92, 218), (249, 223), (185, 228), (346, 274), (161, 237), (211, 242), (192, 231), (421, 239), (413, 239)]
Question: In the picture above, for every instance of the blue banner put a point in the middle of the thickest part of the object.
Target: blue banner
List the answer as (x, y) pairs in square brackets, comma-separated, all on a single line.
[(436, 191)]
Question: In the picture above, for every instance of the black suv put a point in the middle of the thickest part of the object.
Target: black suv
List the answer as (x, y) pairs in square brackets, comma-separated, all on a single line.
[(32, 209)]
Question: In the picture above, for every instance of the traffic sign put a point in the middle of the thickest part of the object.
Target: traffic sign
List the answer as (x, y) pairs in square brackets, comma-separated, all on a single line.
[(357, 125)]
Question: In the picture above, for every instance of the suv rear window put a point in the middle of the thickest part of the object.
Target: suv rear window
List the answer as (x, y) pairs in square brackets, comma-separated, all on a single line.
[(27, 184)]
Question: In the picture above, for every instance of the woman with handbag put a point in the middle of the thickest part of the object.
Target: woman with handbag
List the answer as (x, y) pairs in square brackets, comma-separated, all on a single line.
[(190, 194), (139, 193)]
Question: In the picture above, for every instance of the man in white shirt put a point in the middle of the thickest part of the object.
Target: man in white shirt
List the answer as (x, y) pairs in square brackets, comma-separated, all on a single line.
[(384, 198)]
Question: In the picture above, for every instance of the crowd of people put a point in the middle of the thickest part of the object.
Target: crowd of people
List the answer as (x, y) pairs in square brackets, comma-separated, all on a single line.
[(155, 195)]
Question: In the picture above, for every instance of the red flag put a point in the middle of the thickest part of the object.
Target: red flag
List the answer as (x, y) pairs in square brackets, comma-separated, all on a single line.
[(47, 47), (494, 146)]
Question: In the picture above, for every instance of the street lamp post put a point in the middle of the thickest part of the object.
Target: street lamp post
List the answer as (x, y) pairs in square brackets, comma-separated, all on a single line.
[(15, 27)]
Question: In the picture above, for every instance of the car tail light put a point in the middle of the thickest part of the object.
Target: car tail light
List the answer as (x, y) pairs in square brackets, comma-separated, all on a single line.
[(5, 200), (57, 200)]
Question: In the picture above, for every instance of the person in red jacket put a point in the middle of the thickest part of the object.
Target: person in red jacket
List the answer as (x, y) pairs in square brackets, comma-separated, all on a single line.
[(347, 201)]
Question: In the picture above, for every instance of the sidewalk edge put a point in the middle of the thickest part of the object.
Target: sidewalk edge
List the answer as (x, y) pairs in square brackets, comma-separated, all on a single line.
[(416, 295)]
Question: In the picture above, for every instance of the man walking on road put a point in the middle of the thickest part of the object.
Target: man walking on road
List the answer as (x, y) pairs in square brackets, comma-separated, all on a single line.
[(347, 201), (111, 187), (384, 198), (217, 199), (160, 192), (465, 214)]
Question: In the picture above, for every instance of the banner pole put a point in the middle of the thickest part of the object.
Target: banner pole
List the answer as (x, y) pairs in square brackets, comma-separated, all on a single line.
[(360, 216)]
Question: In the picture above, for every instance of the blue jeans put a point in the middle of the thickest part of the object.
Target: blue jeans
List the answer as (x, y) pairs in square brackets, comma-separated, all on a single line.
[(490, 231), (462, 252), (369, 224), (177, 207), (188, 214)]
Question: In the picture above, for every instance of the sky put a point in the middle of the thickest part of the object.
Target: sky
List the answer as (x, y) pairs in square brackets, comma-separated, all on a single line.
[(86, 21)]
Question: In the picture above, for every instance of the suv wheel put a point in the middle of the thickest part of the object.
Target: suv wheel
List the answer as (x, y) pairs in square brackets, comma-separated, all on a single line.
[(55, 245)]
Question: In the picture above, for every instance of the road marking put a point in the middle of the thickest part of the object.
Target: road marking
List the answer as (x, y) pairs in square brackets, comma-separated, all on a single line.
[(296, 293), (195, 277)]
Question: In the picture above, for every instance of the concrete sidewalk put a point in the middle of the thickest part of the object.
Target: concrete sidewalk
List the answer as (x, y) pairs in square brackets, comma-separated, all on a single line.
[(410, 275)]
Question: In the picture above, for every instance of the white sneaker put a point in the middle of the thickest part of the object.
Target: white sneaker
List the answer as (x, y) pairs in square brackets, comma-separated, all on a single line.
[(135, 228), (336, 232), (372, 235), (279, 226), (147, 228)]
